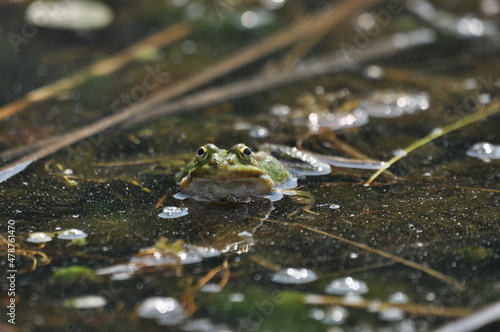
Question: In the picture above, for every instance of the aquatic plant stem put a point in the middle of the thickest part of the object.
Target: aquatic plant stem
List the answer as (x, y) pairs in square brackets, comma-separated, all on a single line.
[(486, 111), (417, 266)]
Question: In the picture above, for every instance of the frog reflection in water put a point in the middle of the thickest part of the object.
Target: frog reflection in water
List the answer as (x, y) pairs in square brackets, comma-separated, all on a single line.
[(234, 174)]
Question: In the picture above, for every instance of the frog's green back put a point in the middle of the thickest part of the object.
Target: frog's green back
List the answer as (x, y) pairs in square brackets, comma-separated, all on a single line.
[(273, 167)]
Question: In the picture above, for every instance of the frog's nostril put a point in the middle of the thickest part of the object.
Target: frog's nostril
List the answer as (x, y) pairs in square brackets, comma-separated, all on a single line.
[(214, 162), (230, 161)]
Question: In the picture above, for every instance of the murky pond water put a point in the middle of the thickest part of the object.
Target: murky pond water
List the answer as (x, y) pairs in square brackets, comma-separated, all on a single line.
[(94, 239)]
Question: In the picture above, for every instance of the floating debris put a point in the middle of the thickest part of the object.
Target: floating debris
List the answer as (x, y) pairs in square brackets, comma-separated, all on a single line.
[(69, 15), (484, 151), (172, 212), (294, 276), (39, 237), (392, 104), (391, 314), (297, 161), (85, 302), (166, 310), (398, 298), (335, 315), (72, 234), (344, 286)]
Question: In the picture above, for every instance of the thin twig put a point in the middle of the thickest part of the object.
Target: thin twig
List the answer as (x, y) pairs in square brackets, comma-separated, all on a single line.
[(100, 68), (324, 65), (420, 267), (378, 306)]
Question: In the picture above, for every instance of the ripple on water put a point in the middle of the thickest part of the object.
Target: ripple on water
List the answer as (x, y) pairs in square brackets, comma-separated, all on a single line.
[(294, 276), (72, 234), (344, 286), (39, 237)]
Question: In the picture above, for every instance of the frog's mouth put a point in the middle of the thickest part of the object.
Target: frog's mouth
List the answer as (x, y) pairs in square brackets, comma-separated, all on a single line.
[(223, 188)]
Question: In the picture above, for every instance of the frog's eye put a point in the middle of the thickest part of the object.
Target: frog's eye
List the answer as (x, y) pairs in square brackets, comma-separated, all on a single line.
[(245, 150), (202, 151)]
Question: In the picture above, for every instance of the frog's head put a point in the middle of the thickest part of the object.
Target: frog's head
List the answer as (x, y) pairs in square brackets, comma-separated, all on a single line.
[(220, 174)]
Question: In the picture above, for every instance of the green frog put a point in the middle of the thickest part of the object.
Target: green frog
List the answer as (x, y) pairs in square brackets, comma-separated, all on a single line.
[(234, 175)]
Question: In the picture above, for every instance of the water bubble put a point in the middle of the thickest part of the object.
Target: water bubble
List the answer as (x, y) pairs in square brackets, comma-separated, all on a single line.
[(171, 212), (211, 288), (399, 153), (272, 4), (119, 268), (398, 297), (39, 237), (391, 104), (280, 110), (391, 314), (259, 132), (343, 286), (236, 297), (335, 315), (69, 15), (484, 151), (317, 314), (352, 298), (252, 19), (161, 308), (85, 302), (72, 234), (294, 276), (207, 252)]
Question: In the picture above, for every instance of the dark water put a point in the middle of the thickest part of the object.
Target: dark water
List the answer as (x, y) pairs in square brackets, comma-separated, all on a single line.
[(440, 212)]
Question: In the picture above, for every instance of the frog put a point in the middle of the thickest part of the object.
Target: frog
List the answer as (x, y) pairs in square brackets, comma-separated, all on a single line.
[(235, 174)]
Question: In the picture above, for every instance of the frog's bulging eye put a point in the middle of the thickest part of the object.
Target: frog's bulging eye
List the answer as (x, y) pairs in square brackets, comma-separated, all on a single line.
[(202, 151), (246, 151)]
